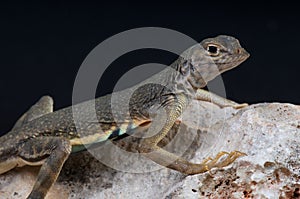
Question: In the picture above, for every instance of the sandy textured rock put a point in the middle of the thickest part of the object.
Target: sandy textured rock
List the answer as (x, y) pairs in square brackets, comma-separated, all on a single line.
[(268, 133)]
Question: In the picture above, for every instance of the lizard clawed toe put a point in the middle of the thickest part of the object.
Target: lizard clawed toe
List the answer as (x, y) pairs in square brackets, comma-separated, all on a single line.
[(210, 163)]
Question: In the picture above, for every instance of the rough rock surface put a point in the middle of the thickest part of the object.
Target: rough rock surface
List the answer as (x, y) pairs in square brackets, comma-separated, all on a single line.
[(268, 133)]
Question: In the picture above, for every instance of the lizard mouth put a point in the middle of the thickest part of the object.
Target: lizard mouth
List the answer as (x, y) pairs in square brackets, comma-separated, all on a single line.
[(232, 64), (209, 71)]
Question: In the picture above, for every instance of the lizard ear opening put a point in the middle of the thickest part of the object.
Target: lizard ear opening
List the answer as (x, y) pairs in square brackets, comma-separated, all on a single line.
[(185, 68)]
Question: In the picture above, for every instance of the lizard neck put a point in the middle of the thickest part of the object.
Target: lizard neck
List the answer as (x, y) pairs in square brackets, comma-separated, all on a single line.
[(182, 80)]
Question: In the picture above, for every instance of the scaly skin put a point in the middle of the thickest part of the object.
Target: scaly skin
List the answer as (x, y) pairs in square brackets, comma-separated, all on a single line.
[(43, 137)]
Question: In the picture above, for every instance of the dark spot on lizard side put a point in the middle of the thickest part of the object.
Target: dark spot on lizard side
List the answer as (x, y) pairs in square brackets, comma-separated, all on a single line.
[(114, 134)]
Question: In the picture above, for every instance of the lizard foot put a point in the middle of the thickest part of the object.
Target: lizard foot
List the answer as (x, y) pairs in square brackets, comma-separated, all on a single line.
[(215, 163), (239, 106)]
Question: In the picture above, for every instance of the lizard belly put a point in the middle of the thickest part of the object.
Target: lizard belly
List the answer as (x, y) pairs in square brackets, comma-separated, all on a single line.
[(83, 142)]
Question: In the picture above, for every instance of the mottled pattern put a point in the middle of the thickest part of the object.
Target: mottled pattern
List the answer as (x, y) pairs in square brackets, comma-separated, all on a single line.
[(43, 137)]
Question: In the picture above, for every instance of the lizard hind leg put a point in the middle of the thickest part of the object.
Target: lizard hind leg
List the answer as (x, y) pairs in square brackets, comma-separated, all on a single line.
[(51, 152), (40, 108), (8, 158), (8, 154)]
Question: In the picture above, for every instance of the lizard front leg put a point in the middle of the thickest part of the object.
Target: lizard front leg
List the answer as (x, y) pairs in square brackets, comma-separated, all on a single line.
[(150, 149), (172, 161), (53, 152), (177, 163), (204, 95)]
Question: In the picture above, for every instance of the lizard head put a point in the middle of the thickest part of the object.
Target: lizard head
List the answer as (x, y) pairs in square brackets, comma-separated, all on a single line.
[(213, 56)]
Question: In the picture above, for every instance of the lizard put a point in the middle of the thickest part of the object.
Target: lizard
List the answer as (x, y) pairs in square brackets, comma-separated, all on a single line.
[(45, 138)]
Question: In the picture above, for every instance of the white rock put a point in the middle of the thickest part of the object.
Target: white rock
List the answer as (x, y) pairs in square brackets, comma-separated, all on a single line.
[(268, 133)]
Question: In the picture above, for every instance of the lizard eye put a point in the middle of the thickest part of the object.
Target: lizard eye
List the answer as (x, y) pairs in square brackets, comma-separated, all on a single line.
[(213, 50)]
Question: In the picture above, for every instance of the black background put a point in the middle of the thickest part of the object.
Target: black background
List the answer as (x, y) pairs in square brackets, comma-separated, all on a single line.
[(42, 45)]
